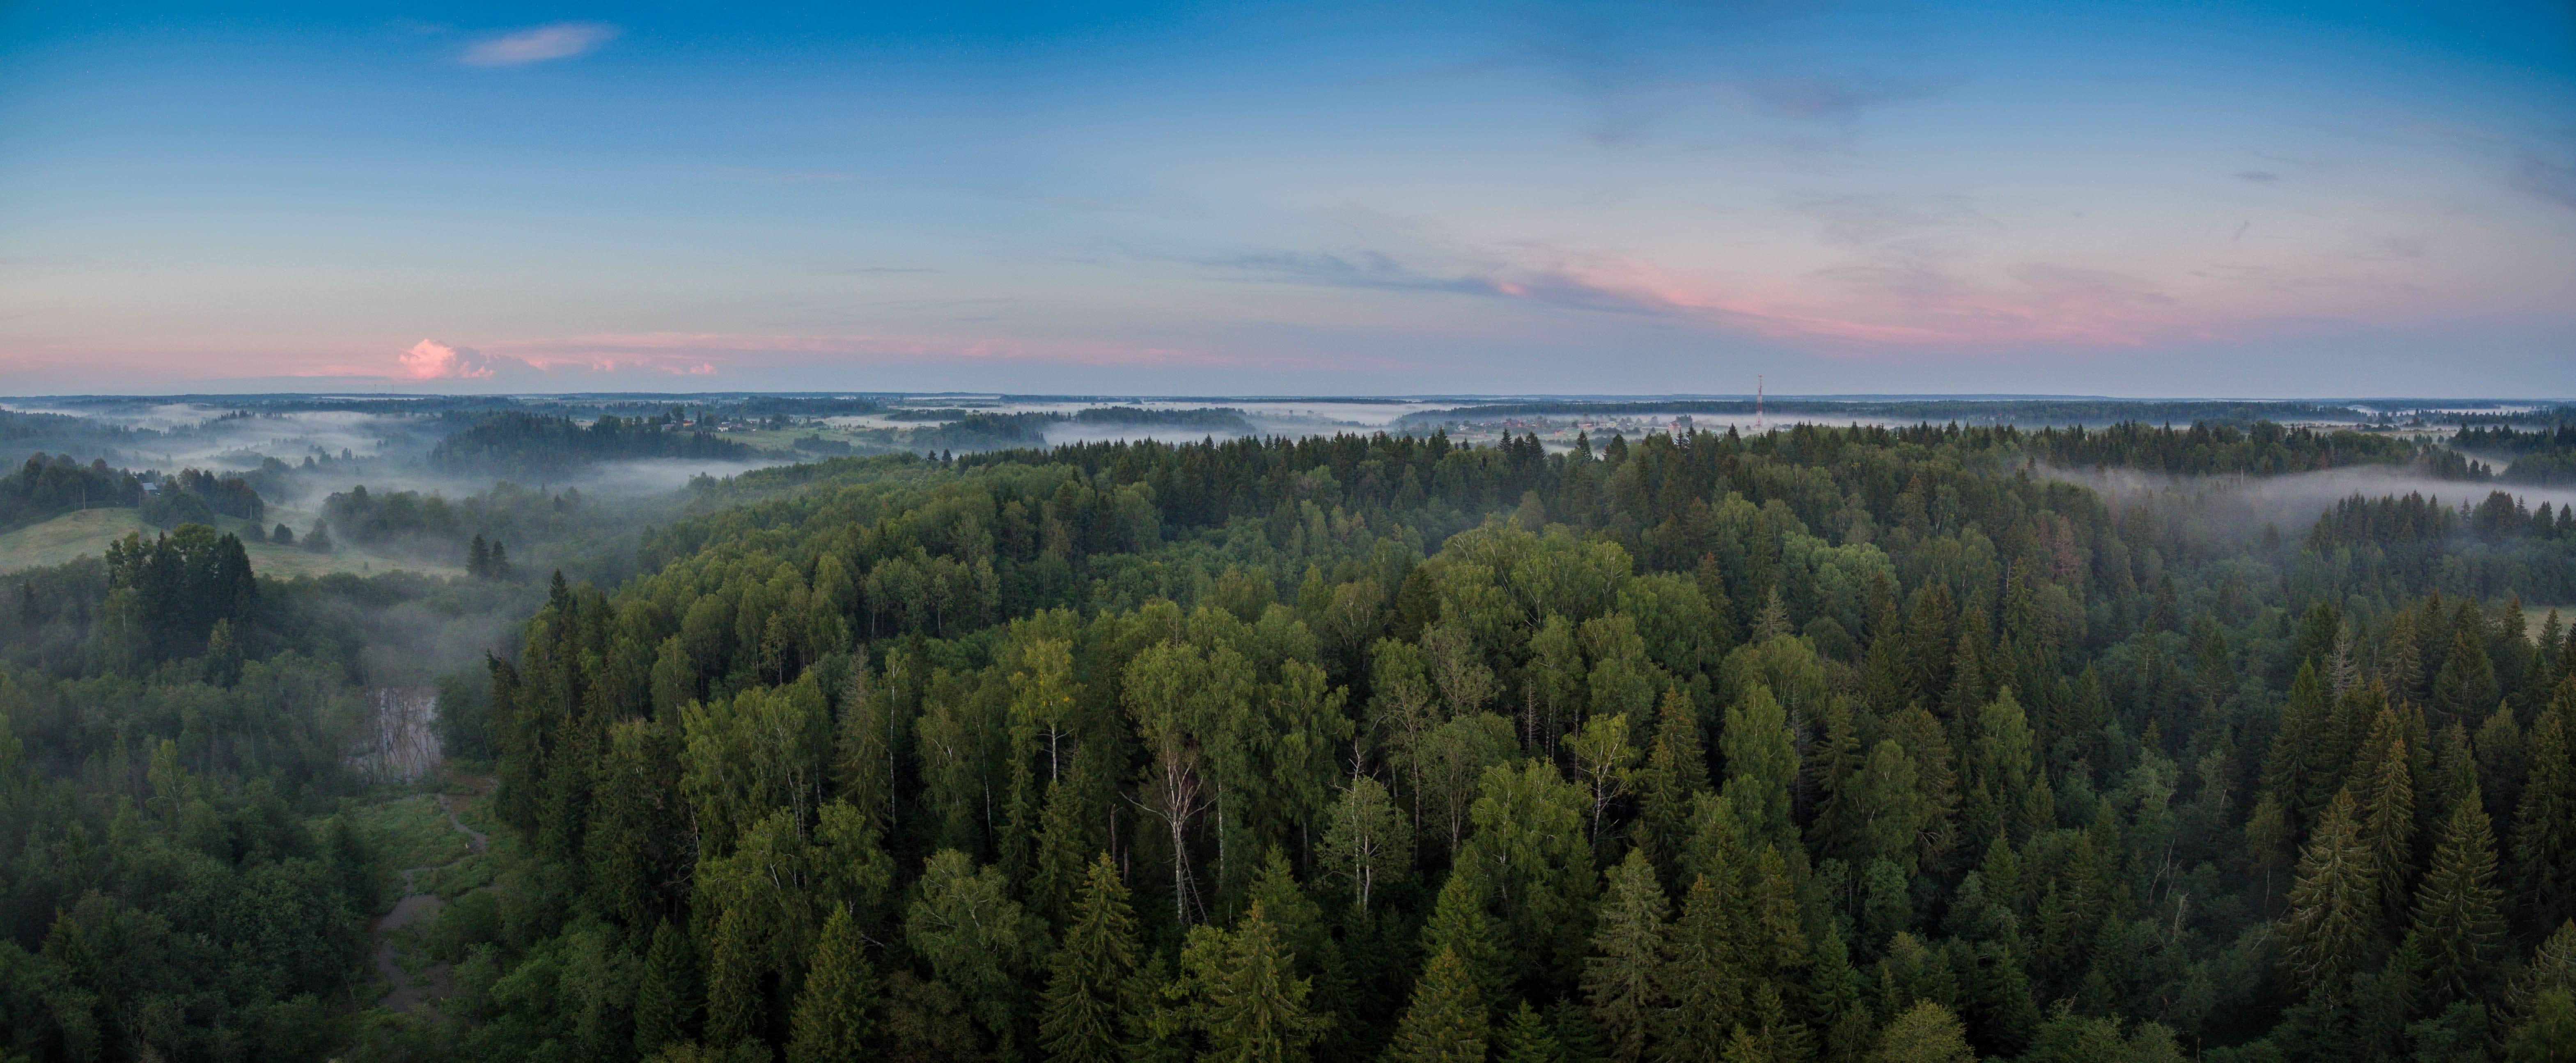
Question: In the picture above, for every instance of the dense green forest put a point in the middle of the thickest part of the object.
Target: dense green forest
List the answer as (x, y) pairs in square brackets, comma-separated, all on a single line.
[(1819, 745)]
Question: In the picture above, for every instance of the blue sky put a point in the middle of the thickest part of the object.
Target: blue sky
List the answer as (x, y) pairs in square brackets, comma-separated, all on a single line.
[(2165, 199)]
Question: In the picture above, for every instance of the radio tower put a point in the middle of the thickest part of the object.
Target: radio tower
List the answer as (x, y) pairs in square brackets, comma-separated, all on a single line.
[(1759, 425)]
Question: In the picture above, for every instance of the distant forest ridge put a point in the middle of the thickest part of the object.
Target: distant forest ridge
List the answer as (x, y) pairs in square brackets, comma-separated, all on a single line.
[(2035, 411)]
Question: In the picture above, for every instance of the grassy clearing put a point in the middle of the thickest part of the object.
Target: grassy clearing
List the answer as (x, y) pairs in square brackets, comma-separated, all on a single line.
[(411, 832), (86, 533)]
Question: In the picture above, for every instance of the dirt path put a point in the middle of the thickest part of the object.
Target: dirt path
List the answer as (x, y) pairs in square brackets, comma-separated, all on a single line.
[(415, 907)]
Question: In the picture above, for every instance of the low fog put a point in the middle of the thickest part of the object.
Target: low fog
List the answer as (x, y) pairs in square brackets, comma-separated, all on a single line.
[(2239, 507)]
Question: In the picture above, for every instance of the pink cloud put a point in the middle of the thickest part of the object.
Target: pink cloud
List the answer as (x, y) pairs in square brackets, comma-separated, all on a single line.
[(432, 360)]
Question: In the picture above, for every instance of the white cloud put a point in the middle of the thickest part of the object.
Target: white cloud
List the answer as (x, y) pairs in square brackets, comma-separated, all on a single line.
[(561, 40)]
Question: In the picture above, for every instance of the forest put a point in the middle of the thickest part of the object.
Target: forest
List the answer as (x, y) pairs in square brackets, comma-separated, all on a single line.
[(47, 487), (1815, 746), (534, 445)]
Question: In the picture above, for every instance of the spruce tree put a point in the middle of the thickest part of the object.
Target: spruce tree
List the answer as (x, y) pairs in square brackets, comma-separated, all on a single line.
[(1081, 1012), (1676, 770), (1246, 1001), (2544, 830), (835, 1014), (666, 999), (2334, 904), (1702, 978), (2388, 824), (1619, 980), (734, 1006), (1526, 1037), (1446, 1021), (2459, 928), (1461, 924), (1761, 767)]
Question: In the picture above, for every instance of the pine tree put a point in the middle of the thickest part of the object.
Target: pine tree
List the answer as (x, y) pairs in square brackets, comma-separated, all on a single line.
[(478, 558), (1620, 980), (1080, 1013), (666, 997), (2459, 928), (1446, 1021), (2334, 907), (834, 1015)]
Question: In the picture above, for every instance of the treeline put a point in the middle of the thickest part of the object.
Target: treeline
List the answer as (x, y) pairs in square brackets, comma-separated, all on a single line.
[(197, 497), (2391, 547), (1831, 745), (2213, 447), (1976, 411), (397, 518), (2541, 455), (976, 430), (523, 443), (48, 487)]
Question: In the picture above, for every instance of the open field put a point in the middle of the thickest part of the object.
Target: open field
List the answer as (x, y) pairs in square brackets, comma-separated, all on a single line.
[(87, 532)]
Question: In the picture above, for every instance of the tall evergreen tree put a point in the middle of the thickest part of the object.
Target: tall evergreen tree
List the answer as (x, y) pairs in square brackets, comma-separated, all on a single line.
[(2334, 907), (2459, 927), (1080, 1014), (1619, 980), (666, 998), (1446, 1021), (735, 1009), (835, 1017), (1244, 997), (2544, 830)]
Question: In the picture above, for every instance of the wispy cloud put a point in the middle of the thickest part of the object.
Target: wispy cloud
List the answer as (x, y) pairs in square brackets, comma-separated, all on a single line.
[(2552, 179), (1822, 98), (560, 40), (1541, 285)]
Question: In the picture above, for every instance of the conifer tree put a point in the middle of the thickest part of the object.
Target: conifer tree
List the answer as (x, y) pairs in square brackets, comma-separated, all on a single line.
[(1446, 1021), (1924, 1033), (1526, 1037), (2334, 905), (1244, 998), (2387, 833), (2544, 830), (734, 1006), (835, 1017), (2459, 929), (1461, 924), (1619, 980), (1073, 826), (1081, 1010), (1701, 981), (1761, 766), (666, 994), (1676, 770)]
